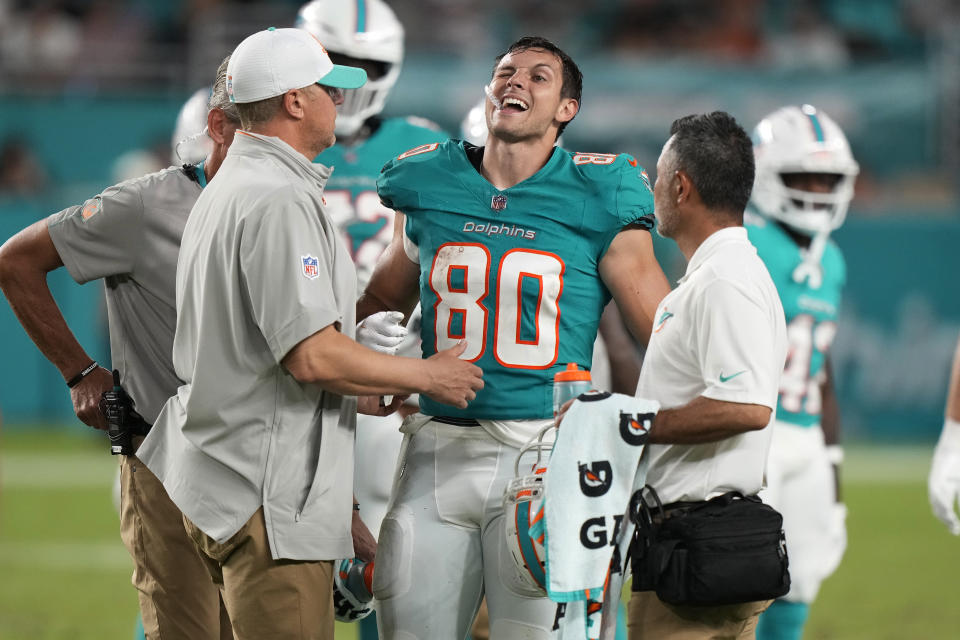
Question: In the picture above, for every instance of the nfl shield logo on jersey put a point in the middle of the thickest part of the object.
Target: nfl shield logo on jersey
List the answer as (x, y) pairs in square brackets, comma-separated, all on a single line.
[(311, 268), (498, 202)]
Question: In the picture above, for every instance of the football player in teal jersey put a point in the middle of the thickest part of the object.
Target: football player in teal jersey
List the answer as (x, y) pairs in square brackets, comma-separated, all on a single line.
[(804, 183), (367, 34), (514, 248)]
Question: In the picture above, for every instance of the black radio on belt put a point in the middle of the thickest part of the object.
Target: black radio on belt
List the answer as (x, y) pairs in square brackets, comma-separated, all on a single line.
[(122, 421)]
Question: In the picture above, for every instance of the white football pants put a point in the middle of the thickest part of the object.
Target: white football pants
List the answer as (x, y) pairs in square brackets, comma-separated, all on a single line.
[(442, 544), (800, 486), (377, 447)]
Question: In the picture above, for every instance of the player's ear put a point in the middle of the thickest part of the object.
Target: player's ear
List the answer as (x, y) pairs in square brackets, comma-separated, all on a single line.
[(216, 125), (683, 186), (293, 103), (567, 110)]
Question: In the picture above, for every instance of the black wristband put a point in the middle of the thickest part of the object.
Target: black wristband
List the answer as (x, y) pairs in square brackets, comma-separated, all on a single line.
[(75, 380), (356, 506)]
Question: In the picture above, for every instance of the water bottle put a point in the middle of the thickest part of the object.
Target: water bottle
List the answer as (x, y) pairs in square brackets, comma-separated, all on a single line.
[(568, 384), (359, 580)]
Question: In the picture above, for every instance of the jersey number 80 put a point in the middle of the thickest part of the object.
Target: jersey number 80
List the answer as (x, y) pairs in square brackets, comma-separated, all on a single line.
[(459, 278)]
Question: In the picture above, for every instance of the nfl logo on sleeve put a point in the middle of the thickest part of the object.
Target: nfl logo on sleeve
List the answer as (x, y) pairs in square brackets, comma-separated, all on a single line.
[(311, 269)]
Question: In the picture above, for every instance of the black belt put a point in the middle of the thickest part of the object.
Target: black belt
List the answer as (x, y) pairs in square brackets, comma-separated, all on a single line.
[(457, 422)]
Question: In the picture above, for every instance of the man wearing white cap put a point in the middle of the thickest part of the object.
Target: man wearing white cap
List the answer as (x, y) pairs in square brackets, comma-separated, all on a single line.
[(256, 448)]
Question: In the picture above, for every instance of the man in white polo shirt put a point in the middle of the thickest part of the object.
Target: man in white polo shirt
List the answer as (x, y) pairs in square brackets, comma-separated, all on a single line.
[(715, 355), (256, 448)]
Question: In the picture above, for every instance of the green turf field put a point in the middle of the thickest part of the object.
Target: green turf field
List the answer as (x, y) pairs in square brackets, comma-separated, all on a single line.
[(65, 574)]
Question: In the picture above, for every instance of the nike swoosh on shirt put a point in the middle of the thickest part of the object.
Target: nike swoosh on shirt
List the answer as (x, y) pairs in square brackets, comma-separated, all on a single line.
[(724, 378)]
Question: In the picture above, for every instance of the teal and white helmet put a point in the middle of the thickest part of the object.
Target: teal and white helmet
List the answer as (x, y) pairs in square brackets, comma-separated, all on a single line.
[(362, 29), (802, 140), (473, 127), (190, 143)]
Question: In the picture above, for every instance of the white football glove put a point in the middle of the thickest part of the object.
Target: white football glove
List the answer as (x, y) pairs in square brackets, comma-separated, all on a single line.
[(382, 332), (944, 481)]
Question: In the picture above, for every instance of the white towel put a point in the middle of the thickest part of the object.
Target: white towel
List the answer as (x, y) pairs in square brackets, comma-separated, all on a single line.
[(587, 487), (573, 622), (618, 564)]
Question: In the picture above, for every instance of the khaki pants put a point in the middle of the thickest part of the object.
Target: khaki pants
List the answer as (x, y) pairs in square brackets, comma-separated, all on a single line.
[(178, 601), (267, 598), (648, 618)]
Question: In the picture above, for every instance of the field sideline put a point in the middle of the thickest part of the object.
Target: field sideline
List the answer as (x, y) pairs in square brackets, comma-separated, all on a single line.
[(64, 573)]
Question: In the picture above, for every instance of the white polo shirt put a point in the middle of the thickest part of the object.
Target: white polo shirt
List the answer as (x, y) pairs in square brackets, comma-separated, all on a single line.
[(720, 334)]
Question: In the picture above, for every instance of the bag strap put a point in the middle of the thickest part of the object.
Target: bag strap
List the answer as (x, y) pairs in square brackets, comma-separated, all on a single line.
[(642, 514), (728, 497)]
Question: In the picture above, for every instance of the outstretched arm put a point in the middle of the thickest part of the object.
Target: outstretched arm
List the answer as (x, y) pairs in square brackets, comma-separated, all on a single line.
[(334, 362), (707, 420), (25, 260)]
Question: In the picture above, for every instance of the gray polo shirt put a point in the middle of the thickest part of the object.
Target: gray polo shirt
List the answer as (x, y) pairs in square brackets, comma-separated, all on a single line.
[(261, 268), (130, 236)]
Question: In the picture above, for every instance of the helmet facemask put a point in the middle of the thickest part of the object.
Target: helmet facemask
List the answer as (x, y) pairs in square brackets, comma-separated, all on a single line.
[(811, 212), (366, 101)]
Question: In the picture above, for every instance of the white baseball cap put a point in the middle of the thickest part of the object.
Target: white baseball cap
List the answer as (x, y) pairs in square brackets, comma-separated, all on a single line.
[(271, 62)]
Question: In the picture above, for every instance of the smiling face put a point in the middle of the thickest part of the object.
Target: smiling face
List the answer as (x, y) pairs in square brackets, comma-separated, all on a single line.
[(528, 85)]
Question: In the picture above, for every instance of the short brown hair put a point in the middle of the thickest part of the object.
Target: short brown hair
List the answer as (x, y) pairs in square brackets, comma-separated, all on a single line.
[(254, 113)]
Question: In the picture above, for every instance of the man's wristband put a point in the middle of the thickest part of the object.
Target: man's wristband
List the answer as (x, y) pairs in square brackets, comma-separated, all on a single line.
[(87, 370)]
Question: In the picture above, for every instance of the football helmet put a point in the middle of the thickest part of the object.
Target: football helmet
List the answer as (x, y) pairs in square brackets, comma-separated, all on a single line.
[(523, 509), (362, 29), (190, 143), (802, 140), (352, 599), (473, 127)]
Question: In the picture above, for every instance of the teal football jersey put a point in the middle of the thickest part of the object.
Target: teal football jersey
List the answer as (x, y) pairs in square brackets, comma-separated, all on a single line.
[(811, 318), (513, 272), (351, 191)]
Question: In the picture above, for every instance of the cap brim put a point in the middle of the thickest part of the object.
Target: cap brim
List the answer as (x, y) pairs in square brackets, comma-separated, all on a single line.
[(344, 77)]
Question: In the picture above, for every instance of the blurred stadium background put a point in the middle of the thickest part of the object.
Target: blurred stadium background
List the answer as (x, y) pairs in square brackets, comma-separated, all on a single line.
[(89, 91)]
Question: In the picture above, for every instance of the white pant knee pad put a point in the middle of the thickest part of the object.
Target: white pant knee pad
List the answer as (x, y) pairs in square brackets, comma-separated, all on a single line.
[(391, 575)]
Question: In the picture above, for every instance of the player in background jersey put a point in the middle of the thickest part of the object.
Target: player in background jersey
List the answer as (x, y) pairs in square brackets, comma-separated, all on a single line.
[(804, 183), (367, 34), (516, 248)]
